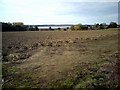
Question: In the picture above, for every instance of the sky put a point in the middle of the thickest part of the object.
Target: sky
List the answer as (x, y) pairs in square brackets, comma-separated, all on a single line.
[(59, 11)]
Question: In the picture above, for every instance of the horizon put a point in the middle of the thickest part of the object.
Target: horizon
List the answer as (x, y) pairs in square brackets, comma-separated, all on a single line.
[(61, 24), (59, 12)]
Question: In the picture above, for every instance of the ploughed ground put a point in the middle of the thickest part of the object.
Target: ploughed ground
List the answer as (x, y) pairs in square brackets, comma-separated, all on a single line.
[(61, 59)]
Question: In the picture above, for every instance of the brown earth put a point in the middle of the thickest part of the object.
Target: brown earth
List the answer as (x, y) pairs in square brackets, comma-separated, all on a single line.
[(70, 59)]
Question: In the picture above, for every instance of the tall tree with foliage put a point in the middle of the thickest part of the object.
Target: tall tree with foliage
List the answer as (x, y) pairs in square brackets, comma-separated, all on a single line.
[(112, 25)]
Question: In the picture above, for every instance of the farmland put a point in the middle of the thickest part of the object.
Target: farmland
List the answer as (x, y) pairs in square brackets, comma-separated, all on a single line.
[(61, 59)]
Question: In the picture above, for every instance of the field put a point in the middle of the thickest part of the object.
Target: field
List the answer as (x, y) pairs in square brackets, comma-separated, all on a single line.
[(61, 59)]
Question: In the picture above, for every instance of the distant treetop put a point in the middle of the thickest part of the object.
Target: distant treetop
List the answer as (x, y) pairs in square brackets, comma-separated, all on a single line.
[(18, 23)]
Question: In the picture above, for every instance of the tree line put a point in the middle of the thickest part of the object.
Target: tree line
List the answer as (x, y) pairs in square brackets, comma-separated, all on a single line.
[(94, 27), (19, 26)]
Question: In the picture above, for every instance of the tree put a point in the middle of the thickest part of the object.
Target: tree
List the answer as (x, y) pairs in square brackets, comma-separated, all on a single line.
[(112, 25), (103, 26), (36, 28), (10, 27), (18, 23), (78, 27), (72, 27), (85, 27), (96, 26), (50, 28), (30, 28), (6, 27), (59, 28), (67, 28)]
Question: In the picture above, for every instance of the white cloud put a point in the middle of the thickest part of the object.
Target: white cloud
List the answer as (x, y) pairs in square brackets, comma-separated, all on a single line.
[(44, 11), (31, 10)]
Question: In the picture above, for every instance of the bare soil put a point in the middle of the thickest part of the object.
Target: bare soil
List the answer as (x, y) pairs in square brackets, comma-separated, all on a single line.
[(61, 59)]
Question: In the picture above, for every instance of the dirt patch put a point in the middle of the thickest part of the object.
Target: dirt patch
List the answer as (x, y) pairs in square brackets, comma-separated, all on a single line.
[(59, 59)]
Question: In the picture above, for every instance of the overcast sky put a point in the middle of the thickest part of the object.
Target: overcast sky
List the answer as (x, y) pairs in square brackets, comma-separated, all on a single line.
[(59, 11)]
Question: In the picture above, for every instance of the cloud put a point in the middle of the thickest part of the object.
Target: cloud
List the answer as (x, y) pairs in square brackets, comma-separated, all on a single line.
[(92, 11), (31, 10), (57, 11)]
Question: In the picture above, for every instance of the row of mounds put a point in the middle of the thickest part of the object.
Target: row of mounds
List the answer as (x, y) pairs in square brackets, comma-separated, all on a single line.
[(21, 48), (16, 57), (13, 52), (17, 52), (59, 43)]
